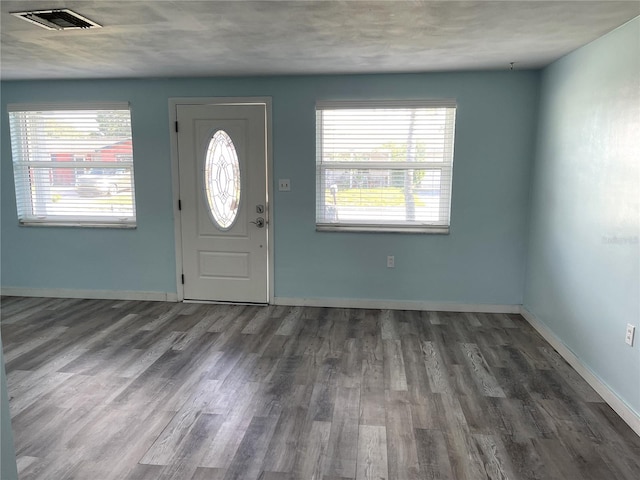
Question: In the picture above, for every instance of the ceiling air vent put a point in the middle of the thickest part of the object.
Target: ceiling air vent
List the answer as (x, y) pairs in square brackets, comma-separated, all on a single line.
[(59, 19)]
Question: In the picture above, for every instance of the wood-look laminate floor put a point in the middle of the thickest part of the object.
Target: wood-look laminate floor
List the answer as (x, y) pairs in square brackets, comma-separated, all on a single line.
[(145, 390)]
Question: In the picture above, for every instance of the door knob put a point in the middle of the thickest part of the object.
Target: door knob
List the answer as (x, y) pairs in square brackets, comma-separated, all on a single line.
[(259, 222)]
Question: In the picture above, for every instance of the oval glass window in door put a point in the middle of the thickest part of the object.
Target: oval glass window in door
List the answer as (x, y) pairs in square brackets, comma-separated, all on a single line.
[(222, 180)]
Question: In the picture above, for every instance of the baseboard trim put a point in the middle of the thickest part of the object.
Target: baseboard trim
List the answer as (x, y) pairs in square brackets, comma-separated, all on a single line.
[(395, 305), (92, 294), (625, 412)]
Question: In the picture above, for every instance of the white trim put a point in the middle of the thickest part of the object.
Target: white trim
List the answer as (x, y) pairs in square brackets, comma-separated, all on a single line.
[(91, 294), (74, 164), (373, 104), (270, 197), (396, 305), (175, 178), (215, 302), (175, 187), (369, 165), (625, 412), (382, 227), (62, 106)]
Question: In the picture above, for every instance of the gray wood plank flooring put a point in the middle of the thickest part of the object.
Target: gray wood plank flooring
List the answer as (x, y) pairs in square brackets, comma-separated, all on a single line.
[(103, 390)]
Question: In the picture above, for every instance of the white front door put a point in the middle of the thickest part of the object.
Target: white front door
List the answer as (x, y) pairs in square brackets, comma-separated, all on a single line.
[(223, 195)]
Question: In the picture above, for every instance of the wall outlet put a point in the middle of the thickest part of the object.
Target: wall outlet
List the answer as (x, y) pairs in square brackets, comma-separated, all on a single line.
[(284, 185), (391, 261), (631, 330)]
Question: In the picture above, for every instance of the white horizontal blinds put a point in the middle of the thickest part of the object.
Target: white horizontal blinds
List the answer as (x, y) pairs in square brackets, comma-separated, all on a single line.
[(73, 164), (386, 164)]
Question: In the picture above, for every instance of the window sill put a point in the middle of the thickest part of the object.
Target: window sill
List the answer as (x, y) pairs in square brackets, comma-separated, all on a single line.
[(421, 229), (130, 226)]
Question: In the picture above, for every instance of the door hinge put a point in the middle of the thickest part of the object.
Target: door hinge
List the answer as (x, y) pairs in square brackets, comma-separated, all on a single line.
[(179, 204), (176, 126), (183, 278)]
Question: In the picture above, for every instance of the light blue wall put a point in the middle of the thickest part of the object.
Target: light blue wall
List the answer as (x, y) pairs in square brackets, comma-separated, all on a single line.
[(481, 261), (583, 275)]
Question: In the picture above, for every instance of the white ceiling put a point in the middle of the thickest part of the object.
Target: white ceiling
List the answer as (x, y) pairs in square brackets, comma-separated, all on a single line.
[(161, 38)]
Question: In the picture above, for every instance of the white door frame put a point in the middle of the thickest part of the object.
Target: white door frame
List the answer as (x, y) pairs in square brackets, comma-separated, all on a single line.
[(175, 178)]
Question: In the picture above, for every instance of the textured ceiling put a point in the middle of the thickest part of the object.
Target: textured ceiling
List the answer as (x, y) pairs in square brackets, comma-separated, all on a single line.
[(160, 38)]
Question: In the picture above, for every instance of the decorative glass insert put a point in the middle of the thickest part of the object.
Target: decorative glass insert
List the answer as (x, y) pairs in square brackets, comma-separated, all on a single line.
[(222, 180)]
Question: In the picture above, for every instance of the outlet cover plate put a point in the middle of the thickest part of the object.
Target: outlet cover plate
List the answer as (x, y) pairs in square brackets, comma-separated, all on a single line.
[(284, 185)]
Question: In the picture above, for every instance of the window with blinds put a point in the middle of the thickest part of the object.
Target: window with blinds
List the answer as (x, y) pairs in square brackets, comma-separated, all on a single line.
[(73, 164), (384, 166)]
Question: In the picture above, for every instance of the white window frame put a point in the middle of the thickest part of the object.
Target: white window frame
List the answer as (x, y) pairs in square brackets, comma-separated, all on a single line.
[(21, 147), (446, 167)]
